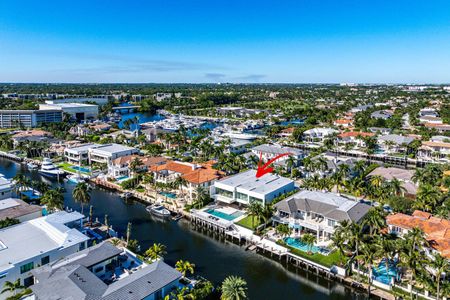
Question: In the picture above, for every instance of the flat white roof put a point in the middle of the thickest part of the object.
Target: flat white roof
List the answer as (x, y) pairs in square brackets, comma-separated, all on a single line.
[(263, 185), (72, 105), (37, 237), (83, 148), (112, 148), (8, 203)]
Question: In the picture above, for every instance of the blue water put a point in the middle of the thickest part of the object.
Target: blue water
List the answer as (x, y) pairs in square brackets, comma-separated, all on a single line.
[(122, 178), (292, 122), (223, 215), (142, 116), (168, 195), (81, 169), (30, 194), (384, 275), (298, 244)]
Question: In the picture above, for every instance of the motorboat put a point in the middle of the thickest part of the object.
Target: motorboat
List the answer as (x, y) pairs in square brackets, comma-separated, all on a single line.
[(32, 166), (126, 195), (48, 169), (158, 210), (76, 178)]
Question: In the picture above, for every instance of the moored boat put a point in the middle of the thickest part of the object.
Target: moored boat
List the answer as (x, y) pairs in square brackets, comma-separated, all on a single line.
[(158, 210), (48, 169)]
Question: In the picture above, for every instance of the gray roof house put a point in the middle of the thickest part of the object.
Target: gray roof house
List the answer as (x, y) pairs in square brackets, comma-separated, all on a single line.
[(318, 212), (381, 114), (104, 272)]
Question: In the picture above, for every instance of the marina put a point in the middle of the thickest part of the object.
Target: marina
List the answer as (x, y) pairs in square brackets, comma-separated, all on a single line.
[(265, 276)]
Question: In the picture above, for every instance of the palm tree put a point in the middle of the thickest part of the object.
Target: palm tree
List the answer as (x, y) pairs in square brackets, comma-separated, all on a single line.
[(395, 187), (53, 199), (184, 267), (368, 255), (440, 265), (202, 197), (12, 287), (375, 219), (234, 288), (309, 240), (291, 162), (128, 232), (428, 197), (283, 230), (135, 165), (255, 210), (21, 183), (82, 193), (156, 251)]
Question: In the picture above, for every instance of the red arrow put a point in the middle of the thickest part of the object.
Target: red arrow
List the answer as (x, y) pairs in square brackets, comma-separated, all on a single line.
[(265, 168)]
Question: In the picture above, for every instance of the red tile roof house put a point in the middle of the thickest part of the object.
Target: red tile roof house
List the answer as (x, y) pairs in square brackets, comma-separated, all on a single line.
[(436, 230), (195, 175), (345, 123), (121, 166), (354, 137)]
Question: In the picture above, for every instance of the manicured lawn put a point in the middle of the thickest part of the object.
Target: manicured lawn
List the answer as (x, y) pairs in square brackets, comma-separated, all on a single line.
[(68, 167), (334, 258), (247, 222)]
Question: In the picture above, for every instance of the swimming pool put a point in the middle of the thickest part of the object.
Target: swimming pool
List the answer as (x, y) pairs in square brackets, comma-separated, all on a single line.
[(383, 274), (222, 214), (298, 244), (81, 169), (168, 195), (122, 178)]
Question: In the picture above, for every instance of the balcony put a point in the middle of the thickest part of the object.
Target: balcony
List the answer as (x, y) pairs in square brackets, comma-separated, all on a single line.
[(223, 198)]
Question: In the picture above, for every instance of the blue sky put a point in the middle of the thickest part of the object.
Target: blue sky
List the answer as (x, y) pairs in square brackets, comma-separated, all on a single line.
[(299, 41)]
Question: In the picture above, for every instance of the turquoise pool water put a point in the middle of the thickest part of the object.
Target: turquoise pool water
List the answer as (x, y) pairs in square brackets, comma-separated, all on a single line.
[(121, 178), (81, 169), (224, 215), (298, 244), (383, 274), (168, 195)]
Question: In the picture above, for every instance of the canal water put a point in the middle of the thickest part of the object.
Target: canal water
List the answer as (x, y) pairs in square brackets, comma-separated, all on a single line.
[(214, 259)]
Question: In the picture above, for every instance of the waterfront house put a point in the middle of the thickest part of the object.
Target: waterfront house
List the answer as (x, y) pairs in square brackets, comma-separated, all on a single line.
[(318, 212), (403, 175), (244, 187), (318, 134), (355, 138), (6, 187), (436, 230), (33, 135), (152, 134), (434, 150), (79, 155), (394, 143), (270, 151), (105, 154), (105, 272), (38, 242), (195, 175), (121, 166), (13, 208)]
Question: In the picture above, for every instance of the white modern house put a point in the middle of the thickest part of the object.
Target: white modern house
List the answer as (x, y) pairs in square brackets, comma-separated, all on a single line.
[(80, 154), (6, 187), (318, 134), (244, 188), (105, 154), (318, 212), (37, 242)]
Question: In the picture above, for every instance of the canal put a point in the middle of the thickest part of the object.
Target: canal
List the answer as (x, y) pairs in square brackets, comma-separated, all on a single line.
[(214, 259)]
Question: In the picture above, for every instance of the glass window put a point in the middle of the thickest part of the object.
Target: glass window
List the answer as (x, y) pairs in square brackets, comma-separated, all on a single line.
[(241, 196), (45, 260), (224, 193), (331, 223), (26, 267)]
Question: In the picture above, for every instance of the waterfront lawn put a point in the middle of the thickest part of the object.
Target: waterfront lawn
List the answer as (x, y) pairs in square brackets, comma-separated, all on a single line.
[(247, 222), (334, 258), (68, 167)]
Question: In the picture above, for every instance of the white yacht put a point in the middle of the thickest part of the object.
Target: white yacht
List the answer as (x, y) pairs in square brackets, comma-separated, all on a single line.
[(48, 169)]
